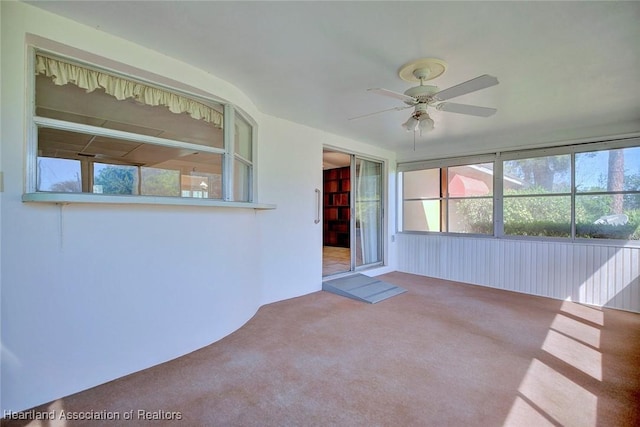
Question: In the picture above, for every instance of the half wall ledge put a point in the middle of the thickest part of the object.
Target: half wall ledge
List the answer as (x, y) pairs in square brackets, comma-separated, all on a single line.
[(67, 198)]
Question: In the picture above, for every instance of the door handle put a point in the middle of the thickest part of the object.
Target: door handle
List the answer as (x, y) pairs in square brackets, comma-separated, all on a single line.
[(318, 205)]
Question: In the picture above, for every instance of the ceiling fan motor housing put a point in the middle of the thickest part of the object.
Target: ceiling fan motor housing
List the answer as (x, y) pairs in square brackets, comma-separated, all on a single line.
[(421, 93), (420, 110)]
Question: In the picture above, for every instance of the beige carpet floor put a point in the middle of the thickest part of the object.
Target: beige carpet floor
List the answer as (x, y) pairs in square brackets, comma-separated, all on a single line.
[(441, 354)]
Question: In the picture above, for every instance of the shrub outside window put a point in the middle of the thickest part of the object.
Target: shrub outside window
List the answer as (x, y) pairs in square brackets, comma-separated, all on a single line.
[(101, 133), (537, 196)]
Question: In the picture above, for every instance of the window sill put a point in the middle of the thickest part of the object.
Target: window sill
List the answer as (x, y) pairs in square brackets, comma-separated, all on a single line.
[(618, 243), (66, 198)]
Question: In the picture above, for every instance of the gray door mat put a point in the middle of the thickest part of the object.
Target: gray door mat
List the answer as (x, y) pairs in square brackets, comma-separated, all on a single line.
[(362, 288)]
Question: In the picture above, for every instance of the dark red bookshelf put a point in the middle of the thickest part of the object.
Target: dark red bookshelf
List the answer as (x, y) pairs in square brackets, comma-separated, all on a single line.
[(337, 213)]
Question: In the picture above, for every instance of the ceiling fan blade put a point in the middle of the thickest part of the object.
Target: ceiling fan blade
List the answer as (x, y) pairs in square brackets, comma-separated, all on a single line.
[(383, 111), (471, 110), (401, 96), (472, 85)]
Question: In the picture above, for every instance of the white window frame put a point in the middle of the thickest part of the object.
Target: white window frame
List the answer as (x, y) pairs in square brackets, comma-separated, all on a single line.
[(227, 152), (443, 164), (600, 144)]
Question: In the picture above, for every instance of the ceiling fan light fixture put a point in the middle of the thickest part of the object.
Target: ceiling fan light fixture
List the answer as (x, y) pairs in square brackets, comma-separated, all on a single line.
[(426, 123), (410, 125)]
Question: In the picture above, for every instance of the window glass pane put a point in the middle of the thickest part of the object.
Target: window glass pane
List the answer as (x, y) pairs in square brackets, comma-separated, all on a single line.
[(97, 108), (79, 146), (610, 170), (201, 185), (59, 175), (615, 216), (539, 175), (118, 165), (538, 216), (421, 184), (243, 139), (421, 215), (115, 179), (241, 181), (472, 215), (160, 182), (368, 210), (471, 180), (201, 174)]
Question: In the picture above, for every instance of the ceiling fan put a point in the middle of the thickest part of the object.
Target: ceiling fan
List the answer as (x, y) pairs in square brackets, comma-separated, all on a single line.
[(423, 96)]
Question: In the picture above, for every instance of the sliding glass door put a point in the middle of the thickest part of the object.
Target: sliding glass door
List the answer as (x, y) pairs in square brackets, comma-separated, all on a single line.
[(352, 213)]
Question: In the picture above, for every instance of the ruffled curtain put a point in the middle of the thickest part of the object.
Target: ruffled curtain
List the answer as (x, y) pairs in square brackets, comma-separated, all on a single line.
[(63, 73)]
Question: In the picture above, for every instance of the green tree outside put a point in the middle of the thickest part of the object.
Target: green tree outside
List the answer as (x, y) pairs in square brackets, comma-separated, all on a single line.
[(117, 179), (69, 186), (160, 182)]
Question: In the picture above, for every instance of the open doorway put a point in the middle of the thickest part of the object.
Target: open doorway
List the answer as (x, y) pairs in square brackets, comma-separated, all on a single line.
[(352, 213)]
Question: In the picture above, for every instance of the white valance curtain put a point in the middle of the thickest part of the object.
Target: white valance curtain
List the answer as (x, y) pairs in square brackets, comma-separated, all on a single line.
[(63, 73)]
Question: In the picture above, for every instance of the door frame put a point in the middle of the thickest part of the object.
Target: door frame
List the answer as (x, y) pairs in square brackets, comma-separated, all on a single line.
[(352, 203)]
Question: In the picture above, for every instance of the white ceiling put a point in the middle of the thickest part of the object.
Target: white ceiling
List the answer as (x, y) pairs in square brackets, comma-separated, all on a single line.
[(566, 69)]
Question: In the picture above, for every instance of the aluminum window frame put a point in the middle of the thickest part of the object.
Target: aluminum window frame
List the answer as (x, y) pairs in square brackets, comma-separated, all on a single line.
[(590, 145), (444, 197)]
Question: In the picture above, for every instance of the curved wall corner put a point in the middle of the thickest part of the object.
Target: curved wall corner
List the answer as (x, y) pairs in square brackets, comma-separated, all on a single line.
[(94, 292)]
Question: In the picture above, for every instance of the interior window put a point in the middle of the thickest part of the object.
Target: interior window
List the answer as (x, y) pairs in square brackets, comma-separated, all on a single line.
[(101, 133)]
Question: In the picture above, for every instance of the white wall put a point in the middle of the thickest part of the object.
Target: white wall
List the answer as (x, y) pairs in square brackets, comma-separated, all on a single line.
[(293, 155), (292, 260), (91, 293), (94, 292), (587, 273)]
